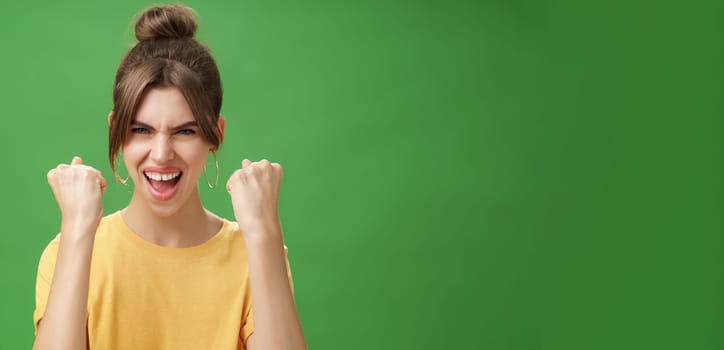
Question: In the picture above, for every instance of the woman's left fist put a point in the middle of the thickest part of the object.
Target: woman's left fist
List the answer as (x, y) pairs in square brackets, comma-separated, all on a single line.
[(254, 191)]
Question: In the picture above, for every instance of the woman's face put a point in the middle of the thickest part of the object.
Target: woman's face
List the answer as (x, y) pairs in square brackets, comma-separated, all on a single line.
[(164, 151)]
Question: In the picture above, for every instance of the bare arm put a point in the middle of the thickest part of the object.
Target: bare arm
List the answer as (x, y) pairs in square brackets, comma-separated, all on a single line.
[(78, 190), (64, 322), (276, 321), (254, 191)]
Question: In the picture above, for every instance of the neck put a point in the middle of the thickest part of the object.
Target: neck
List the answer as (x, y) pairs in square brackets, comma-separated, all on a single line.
[(188, 226)]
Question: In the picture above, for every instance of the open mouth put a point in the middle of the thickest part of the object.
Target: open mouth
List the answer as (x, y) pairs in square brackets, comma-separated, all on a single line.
[(162, 185)]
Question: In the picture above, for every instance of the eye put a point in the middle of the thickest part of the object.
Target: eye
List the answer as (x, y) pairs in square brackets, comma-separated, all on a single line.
[(186, 132), (140, 131)]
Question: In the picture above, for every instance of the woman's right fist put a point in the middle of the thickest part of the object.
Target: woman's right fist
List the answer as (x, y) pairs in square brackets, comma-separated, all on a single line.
[(78, 189)]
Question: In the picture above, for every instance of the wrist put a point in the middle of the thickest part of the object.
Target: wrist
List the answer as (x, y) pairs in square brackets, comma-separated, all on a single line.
[(262, 234), (259, 225), (79, 227), (263, 243)]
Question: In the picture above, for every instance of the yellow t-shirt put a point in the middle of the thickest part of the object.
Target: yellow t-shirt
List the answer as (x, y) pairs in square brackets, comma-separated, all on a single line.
[(145, 296)]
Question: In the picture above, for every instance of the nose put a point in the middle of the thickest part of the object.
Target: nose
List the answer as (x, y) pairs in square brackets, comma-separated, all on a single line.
[(161, 149)]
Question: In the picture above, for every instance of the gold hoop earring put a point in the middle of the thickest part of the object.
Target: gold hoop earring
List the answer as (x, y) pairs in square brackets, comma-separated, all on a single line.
[(119, 180), (123, 182), (216, 182)]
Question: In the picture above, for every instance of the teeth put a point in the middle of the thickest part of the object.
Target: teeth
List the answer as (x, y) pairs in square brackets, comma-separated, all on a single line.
[(161, 177)]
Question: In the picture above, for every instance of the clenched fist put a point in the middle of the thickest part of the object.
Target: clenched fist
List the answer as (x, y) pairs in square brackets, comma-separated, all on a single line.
[(78, 189), (254, 191)]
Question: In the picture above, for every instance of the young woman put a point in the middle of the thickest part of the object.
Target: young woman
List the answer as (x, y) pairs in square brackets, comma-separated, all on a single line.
[(164, 272)]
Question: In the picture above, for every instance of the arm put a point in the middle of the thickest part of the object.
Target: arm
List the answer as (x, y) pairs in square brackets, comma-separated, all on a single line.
[(78, 190), (276, 321), (254, 191), (64, 323)]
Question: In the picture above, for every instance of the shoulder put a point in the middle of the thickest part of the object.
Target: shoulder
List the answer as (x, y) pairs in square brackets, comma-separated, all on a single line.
[(51, 249), (230, 232), (50, 253), (228, 229), (110, 221)]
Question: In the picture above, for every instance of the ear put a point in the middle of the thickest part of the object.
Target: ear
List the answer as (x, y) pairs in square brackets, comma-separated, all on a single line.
[(222, 127), (110, 116)]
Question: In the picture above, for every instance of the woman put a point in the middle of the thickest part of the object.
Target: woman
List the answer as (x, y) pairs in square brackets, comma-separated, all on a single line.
[(165, 273)]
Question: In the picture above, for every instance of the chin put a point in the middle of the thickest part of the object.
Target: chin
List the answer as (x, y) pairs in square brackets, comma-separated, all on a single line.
[(164, 210)]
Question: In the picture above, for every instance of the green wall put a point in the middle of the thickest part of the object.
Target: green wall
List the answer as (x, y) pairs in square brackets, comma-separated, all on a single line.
[(458, 174)]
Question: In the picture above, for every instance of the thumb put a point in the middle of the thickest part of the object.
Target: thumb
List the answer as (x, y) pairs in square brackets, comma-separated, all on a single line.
[(76, 161), (245, 163)]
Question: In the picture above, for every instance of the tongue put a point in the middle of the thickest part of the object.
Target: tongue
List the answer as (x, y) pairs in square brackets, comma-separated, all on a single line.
[(163, 186)]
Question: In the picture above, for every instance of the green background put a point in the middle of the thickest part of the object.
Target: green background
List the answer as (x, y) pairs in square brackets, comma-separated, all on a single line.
[(458, 174)]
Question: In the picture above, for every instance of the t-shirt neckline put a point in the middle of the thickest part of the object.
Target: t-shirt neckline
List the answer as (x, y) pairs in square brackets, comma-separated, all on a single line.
[(171, 252)]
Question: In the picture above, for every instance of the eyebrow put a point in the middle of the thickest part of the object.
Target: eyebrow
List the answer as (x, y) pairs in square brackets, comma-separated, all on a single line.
[(179, 127)]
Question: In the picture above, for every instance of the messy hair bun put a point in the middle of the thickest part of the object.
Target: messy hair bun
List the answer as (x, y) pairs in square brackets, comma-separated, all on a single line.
[(166, 21)]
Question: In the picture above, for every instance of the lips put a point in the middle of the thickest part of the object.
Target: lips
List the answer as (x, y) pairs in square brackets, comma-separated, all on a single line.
[(162, 183)]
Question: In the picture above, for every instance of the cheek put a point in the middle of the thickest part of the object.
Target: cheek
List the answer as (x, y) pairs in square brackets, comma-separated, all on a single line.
[(194, 156), (132, 153)]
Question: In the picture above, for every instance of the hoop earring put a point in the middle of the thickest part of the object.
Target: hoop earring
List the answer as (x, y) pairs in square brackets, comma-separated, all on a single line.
[(119, 180), (216, 182)]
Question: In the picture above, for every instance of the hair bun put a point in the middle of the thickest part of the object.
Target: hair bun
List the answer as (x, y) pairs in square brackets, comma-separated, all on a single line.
[(166, 21)]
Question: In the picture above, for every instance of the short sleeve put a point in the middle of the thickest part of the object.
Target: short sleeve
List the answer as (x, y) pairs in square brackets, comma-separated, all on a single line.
[(248, 326), (46, 267)]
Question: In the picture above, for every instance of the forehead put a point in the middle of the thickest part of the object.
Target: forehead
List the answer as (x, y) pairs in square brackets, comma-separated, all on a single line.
[(164, 105)]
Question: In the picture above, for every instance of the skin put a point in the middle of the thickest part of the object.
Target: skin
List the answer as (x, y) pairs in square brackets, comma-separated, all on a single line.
[(179, 222)]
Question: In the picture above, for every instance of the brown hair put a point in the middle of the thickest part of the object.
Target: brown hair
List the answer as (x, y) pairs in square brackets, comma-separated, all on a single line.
[(166, 55)]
